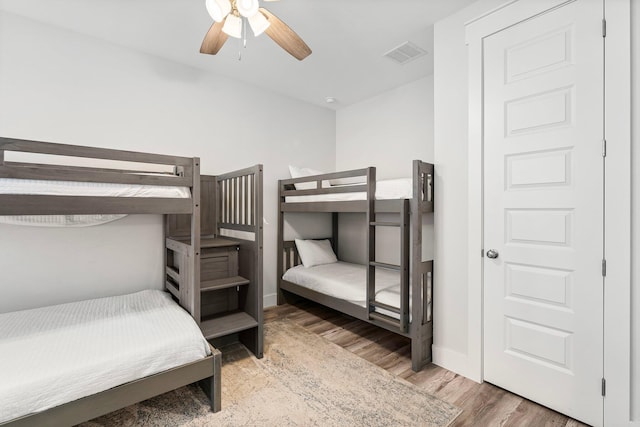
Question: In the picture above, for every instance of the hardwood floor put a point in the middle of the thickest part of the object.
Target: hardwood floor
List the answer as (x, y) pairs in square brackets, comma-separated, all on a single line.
[(482, 404)]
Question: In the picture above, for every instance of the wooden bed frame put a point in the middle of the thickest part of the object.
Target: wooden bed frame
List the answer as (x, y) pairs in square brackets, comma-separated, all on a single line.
[(414, 272), (186, 173)]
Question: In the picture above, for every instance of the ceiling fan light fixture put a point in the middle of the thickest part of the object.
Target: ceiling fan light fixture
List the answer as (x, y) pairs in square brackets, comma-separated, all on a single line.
[(233, 26), (247, 8), (258, 23), (248, 13), (218, 9)]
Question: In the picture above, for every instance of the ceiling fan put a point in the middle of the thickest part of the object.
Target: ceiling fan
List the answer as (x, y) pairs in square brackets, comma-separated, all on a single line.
[(231, 18)]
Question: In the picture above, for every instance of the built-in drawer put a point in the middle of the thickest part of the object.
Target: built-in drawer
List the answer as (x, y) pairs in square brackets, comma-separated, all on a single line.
[(217, 263)]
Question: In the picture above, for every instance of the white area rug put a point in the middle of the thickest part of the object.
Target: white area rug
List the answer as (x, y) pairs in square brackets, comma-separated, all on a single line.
[(303, 380)]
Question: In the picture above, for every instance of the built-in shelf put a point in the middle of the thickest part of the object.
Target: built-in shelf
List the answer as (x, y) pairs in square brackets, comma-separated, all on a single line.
[(228, 323), (226, 282), (216, 242), (207, 241), (385, 223)]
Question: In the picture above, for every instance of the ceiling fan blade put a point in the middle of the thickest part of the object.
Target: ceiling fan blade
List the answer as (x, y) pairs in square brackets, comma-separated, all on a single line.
[(214, 39), (285, 36)]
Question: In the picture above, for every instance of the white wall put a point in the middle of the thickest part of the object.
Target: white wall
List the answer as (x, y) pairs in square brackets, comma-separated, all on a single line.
[(635, 211), (387, 131), (60, 86), (450, 153)]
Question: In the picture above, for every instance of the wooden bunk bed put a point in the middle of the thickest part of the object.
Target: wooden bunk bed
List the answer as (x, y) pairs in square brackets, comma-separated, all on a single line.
[(411, 316), (180, 172)]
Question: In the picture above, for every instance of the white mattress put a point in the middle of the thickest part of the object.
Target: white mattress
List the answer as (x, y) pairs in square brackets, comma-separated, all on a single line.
[(390, 189), (348, 282), (53, 355), (71, 188)]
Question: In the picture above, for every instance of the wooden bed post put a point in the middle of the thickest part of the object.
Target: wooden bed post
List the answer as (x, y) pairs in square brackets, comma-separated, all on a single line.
[(417, 351), (421, 335), (216, 205), (371, 238), (280, 248), (190, 294), (335, 217), (253, 338), (405, 264)]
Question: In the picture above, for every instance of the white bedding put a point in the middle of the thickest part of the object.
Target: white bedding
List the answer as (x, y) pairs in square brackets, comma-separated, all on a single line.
[(390, 189), (53, 355), (71, 188), (348, 282)]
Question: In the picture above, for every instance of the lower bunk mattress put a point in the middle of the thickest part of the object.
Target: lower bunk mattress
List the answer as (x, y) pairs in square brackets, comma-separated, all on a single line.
[(57, 354), (348, 282)]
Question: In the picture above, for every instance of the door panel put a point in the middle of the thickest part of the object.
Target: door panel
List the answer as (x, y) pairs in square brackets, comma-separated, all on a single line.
[(543, 209)]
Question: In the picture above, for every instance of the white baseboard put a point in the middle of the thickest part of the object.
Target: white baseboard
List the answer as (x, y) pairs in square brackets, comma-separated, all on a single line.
[(270, 300), (454, 361)]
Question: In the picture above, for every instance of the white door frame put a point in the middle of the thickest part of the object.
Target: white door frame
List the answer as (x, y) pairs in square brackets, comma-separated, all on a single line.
[(617, 328)]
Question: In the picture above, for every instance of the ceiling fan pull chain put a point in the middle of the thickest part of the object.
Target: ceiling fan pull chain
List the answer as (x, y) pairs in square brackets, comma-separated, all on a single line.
[(240, 48), (244, 32), (243, 40)]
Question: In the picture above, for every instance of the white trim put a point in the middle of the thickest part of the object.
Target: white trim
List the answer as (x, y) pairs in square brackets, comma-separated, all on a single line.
[(506, 16), (617, 291), (475, 209), (270, 300), (490, 12), (453, 361), (617, 309)]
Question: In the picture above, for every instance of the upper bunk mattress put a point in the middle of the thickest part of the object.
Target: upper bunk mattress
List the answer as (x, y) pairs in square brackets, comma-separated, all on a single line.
[(53, 355), (348, 282), (73, 188), (390, 189)]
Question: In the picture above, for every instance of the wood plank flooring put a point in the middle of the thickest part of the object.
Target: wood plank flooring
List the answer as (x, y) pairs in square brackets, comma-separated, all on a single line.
[(482, 404)]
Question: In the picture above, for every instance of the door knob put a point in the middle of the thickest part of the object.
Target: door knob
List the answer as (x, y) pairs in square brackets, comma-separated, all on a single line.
[(493, 254)]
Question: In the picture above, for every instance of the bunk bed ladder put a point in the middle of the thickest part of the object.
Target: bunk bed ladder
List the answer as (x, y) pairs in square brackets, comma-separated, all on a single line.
[(402, 323)]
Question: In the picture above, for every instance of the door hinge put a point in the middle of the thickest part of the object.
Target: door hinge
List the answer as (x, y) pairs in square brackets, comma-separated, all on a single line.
[(604, 148), (604, 27), (604, 387), (604, 268)]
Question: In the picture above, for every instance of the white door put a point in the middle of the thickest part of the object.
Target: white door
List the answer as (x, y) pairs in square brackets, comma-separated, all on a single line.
[(543, 209)]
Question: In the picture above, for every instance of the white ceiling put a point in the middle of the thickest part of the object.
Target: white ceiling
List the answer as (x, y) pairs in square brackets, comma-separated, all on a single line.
[(348, 39)]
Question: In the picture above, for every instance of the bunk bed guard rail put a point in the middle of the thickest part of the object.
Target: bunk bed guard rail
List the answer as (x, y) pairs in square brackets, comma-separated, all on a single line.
[(240, 200), (128, 171)]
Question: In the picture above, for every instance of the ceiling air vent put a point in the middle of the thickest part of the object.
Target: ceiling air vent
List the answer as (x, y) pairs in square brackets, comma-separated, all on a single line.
[(406, 52)]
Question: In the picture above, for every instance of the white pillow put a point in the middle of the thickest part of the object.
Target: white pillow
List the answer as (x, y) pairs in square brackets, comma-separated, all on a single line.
[(297, 172), (315, 252)]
